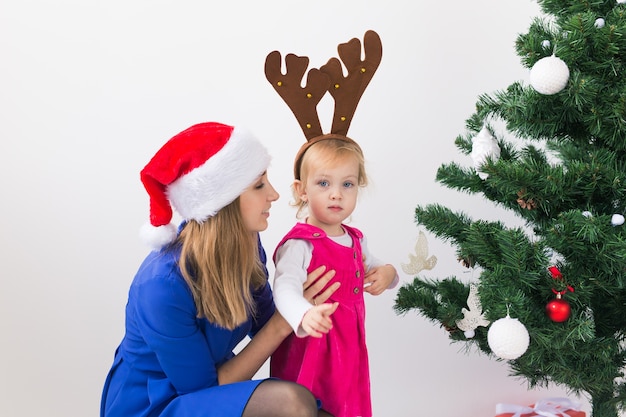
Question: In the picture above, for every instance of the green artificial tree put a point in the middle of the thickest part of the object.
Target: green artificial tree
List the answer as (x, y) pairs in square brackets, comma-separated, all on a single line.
[(559, 280)]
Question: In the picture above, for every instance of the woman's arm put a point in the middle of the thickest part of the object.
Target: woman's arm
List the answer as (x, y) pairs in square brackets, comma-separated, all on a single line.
[(247, 362), (162, 312)]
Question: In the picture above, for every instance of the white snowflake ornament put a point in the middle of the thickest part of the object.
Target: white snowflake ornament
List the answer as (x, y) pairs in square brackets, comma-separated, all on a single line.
[(420, 260), (508, 338), (549, 75), (473, 317), (484, 146)]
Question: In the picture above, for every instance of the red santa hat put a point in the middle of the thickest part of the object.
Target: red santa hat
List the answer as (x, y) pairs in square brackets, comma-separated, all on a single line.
[(198, 172)]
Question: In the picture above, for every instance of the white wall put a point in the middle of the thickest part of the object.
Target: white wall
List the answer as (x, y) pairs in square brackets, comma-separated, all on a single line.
[(89, 90)]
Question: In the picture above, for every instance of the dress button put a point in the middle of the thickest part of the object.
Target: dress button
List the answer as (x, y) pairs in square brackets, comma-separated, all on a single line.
[(356, 290), (316, 234), (358, 274)]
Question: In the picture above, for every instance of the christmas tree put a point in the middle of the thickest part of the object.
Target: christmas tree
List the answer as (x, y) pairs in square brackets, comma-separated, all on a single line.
[(548, 297)]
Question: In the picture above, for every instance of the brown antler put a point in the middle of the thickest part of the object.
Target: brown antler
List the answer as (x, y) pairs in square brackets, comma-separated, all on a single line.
[(302, 101), (347, 91)]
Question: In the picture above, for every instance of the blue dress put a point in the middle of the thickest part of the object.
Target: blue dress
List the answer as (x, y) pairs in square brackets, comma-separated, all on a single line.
[(166, 364)]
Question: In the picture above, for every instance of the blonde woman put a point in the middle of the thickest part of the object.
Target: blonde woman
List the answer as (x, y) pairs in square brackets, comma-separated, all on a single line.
[(204, 288)]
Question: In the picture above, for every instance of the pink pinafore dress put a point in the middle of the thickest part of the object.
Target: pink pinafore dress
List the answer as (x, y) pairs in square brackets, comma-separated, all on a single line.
[(334, 367)]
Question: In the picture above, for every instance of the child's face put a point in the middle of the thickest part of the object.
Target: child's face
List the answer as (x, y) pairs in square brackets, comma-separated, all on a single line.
[(330, 191), (255, 203)]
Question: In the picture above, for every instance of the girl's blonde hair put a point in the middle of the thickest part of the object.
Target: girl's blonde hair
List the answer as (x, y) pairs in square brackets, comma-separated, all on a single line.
[(220, 262), (328, 151)]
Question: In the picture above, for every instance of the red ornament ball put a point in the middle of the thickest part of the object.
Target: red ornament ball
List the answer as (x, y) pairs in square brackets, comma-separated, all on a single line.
[(558, 310)]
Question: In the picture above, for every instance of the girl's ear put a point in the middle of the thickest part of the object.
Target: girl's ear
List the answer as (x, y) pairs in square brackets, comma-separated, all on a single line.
[(300, 190)]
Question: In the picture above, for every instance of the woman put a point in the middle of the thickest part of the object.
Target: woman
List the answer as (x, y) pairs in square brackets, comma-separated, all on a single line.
[(204, 288)]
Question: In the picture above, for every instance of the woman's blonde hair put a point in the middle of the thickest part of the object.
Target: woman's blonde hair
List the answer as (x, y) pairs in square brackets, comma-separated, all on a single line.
[(328, 151), (220, 262)]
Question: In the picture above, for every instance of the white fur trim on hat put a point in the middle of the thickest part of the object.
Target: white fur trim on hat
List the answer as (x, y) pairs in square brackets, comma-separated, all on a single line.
[(213, 185), (157, 237)]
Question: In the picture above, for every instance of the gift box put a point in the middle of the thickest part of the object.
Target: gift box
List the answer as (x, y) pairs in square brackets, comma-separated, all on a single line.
[(550, 407)]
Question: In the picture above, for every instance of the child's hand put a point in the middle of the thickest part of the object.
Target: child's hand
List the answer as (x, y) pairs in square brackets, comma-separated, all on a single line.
[(378, 279), (316, 322)]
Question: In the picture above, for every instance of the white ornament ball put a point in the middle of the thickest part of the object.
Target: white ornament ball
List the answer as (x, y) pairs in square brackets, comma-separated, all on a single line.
[(617, 220), (621, 1), (546, 44), (599, 23), (587, 214), (508, 338), (549, 75)]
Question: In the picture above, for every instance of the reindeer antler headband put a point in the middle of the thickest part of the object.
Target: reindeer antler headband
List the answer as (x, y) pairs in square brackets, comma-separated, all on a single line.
[(346, 91)]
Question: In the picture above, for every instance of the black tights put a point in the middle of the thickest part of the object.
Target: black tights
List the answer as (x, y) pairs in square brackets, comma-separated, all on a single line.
[(277, 398)]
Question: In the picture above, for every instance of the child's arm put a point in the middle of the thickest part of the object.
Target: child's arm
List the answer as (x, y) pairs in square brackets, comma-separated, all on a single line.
[(379, 279), (378, 276), (292, 261)]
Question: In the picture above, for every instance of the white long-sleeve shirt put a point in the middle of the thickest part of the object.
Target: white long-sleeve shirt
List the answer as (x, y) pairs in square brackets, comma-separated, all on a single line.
[(292, 261)]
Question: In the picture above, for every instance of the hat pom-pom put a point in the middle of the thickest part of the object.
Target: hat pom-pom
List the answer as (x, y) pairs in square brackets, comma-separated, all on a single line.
[(159, 236)]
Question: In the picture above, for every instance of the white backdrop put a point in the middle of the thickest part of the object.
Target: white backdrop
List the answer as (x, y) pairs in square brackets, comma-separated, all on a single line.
[(89, 90)]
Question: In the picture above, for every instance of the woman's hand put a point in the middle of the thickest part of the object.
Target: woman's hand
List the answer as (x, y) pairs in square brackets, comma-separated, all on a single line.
[(315, 282)]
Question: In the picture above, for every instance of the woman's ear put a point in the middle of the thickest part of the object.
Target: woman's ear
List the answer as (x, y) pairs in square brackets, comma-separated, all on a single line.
[(300, 190)]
